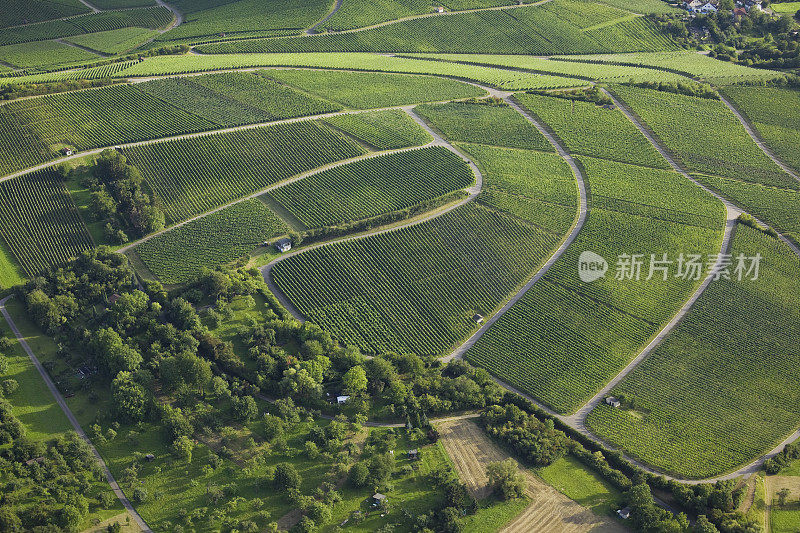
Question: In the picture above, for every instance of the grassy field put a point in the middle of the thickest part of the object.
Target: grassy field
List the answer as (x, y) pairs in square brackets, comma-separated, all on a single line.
[(593, 71), (574, 479), (680, 121), (786, 7), (114, 41), (33, 404), (685, 62), (484, 124), (533, 186), (701, 398), (366, 90), (191, 176), (591, 130), (775, 113), (10, 270), (178, 255), (40, 224), (374, 186), (566, 338), (416, 288), (382, 130)]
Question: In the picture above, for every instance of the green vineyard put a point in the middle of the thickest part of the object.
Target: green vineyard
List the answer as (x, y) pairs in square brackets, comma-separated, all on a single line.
[(382, 130), (565, 338), (41, 225), (374, 186), (707, 391), (178, 255), (484, 124), (415, 289), (191, 176)]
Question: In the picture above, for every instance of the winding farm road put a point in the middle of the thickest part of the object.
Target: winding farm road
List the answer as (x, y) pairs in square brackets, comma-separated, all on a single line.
[(313, 29), (438, 140), (177, 16), (751, 131), (72, 420)]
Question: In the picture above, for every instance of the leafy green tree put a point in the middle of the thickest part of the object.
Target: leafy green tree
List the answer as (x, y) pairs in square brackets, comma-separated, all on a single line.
[(703, 525), (354, 381), (113, 354), (183, 447), (286, 477), (506, 479), (129, 397), (358, 475), (245, 408)]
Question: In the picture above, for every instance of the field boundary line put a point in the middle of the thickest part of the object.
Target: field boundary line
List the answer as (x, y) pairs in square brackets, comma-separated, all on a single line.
[(753, 133), (312, 30), (74, 421)]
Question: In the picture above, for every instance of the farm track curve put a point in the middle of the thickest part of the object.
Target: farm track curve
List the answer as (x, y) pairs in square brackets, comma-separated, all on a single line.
[(71, 417), (336, 6), (753, 133)]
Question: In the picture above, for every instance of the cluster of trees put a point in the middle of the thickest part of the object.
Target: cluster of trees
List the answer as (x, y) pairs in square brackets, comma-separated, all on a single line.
[(689, 88), (506, 480), (118, 197), (536, 441), (51, 485), (584, 94), (775, 464), (19, 90), (757, 39)]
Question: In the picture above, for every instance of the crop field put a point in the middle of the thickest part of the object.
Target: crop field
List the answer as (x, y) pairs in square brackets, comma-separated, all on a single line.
[(584, 14), (777, 207), (361, 13), (178, 255), (507, 79), (528, 30), (726, 150), (113, 41), (370, 187), (366, 90), (702, 398), (88, 119), (382, 130), (23, 11), (533, 186), (775, 113), (52, 29), (685, 62), (642, 6), (593, 71), (122, 4), (248, 15), (40, 224), (191, 176), (414, 289), (234, 98), (588, 129), (498, 125), (43, 53), (565, 338), (151, 17)]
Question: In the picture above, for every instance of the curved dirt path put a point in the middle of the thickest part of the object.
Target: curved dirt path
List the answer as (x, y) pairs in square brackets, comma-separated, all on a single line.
[(751, 131), (473, 191), (90, 6), (313, 29), (72, 420), (178, 16), (583, 211)]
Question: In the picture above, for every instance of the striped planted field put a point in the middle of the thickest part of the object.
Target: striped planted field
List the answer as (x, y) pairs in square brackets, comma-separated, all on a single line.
[(40, 223), (178, 255), (191, 176), (415, 289), (374, 186)]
